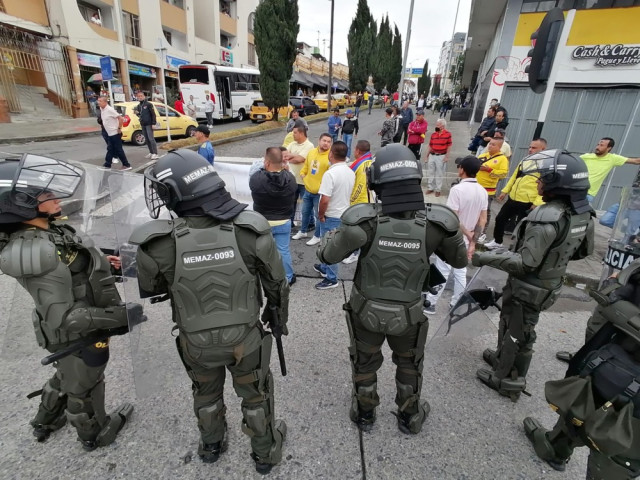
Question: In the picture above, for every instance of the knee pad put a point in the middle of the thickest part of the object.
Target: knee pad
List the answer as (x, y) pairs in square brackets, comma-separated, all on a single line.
[(406, 397), (364, 396), (255, 422), (51, 397), (211, 415)]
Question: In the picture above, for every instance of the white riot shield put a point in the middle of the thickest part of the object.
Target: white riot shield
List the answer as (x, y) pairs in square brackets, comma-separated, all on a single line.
[(157, 367), (624, 243), (88, 211)]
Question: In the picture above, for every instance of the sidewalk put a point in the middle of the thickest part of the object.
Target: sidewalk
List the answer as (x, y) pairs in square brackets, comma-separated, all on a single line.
[(48, 130)]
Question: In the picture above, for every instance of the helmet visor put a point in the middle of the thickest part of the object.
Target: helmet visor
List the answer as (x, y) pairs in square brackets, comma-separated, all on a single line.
[(41, 179), (542, 164), (156, 194)]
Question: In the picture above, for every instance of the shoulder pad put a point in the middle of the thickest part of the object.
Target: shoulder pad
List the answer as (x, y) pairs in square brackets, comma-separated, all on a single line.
[(253, 221), (547, 213), (29, 253), (358, 213), (151, 230), (443, 216)]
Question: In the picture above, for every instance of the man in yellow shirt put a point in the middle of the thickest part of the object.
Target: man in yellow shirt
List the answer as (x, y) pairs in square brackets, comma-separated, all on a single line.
[(360, 192), (601, 162), (316, 163), (523, 196), (495, 165)]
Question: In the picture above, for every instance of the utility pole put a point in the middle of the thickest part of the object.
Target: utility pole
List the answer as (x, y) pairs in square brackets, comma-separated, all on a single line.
[(161, 48), (329, 91), (453, 34), (406, 50)]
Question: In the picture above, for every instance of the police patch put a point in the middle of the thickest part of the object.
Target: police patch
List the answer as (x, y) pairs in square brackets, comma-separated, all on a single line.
[(198, 173), (398, 164), (399, 245), (208, 257)]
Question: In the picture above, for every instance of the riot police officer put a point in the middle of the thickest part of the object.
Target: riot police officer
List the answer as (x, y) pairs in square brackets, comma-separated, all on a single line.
[(396, 238), (74, 292), (553, 234), (599, 399), (211, 261)]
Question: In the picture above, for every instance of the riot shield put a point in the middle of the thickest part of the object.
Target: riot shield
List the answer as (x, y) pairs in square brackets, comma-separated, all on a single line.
[(88, 211), (624, 243), (157, 368)]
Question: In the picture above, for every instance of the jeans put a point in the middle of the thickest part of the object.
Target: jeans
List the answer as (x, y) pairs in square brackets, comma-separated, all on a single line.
[(511, 209), (348, 138), (435, 172), (329, 224), (209, 117), (114, 149), (491, 198), (459, 282), (299, 194), (357, 111), (370, 105), (310, 203), (282, 236), (147, 130), (405, 133), (590, 199), (334, 137), (415, 148)]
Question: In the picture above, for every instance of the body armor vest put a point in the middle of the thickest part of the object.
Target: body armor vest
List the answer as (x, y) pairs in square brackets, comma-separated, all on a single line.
[(212, 286), (549, 273)]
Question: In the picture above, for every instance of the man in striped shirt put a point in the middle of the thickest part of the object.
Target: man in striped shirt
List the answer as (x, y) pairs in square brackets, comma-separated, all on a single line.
[(439, 146)]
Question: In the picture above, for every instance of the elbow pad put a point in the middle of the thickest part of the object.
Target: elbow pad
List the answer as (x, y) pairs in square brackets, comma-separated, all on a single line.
[(83, 320), (336, 245), (506, 261), (453, 250)]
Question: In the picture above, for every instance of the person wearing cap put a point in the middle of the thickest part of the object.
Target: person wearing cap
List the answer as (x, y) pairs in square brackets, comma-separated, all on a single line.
[(350, 129), (206, 148), (470, 202), (407, 118), (334, 124), (416, 131)]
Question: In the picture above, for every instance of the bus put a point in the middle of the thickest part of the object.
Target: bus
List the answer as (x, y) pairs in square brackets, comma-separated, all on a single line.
[(233, 89)]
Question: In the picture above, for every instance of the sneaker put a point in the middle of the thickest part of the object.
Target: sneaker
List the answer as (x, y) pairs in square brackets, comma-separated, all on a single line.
[(125, 168), (299, 235), (314, 241), (154, 156), (430, 310), (482, 238), (351, 258), (148, 155), (318, 268), (492, 244), (293, 280), (326, 284)]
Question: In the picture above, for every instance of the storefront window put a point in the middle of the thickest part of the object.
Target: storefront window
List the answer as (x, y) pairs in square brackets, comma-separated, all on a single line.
[(131, 24)]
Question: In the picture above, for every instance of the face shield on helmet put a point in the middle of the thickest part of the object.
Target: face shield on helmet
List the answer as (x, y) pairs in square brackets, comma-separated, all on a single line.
[(33, 180), (542, 165)]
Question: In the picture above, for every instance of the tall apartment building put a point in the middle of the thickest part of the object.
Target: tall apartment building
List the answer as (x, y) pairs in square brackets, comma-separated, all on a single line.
[(447, 59), (57, 44)]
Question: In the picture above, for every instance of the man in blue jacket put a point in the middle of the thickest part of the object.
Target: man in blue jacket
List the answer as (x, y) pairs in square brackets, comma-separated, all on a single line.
[(334, 125)]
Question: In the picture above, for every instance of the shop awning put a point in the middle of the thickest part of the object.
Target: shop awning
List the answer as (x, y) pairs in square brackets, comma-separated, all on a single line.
[(299, 77)]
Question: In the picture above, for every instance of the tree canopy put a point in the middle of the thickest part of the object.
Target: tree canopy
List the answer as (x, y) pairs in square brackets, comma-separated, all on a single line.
[(424, 82), (276, 32), (361, 47)]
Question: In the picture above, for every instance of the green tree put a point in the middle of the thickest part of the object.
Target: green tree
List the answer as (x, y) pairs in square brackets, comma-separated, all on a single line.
[(276, 32), (436, 85), (373, 36), (382, 56), (395, 66), (361, 42), (424, 82)]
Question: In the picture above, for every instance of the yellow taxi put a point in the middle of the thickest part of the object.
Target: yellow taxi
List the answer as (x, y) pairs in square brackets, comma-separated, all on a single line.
[(179, 124), (342, 99), (259, 112), (322, 99)]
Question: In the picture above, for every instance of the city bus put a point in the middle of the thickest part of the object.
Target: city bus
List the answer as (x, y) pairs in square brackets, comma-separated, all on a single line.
[(233, 89)]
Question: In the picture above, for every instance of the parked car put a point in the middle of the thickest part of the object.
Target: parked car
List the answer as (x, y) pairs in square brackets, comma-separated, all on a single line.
[(342, 99), (179, 124), (261, 113), (321, 101), (304, 105)]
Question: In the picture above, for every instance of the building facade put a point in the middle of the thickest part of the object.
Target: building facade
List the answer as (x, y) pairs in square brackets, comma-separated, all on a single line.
[(593, 90), (146, 39), (449, 58)]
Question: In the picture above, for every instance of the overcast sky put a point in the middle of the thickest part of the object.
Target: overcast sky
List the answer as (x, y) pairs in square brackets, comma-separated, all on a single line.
[(432, 25)]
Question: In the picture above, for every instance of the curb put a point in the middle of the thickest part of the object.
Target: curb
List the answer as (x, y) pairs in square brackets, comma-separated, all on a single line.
[(47, 138)]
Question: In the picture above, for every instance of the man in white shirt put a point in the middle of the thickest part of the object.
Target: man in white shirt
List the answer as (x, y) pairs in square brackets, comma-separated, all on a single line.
[(470, 201), (295, 156), (335, 197), (209, 108), (112, 123)]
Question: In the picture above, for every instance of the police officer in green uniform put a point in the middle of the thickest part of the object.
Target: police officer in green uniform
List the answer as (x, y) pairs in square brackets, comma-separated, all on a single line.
[(599, 399), (396, 238), (212, 261), (74, 292), (553, 234)]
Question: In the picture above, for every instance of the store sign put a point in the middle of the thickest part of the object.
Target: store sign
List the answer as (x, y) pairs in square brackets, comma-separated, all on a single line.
[(141, 70), (174, 62), (105, 68), (226, 57), (90, 60), (608, 55)]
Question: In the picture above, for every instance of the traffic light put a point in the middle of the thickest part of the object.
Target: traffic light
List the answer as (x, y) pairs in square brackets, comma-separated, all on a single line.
[(545, 42)]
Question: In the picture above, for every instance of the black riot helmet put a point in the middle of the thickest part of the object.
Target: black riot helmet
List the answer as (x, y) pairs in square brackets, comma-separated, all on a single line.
[(188, 185), (561, 174), (395, 176), (31, 180)]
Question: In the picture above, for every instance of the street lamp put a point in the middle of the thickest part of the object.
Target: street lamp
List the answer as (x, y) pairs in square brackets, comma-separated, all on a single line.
[(329, 90), (161, 48), (406, 50)]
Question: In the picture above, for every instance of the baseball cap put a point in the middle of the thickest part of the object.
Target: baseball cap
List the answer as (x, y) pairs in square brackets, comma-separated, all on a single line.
[(470, 164), (203, 129), (420, 111), (348, 112)]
